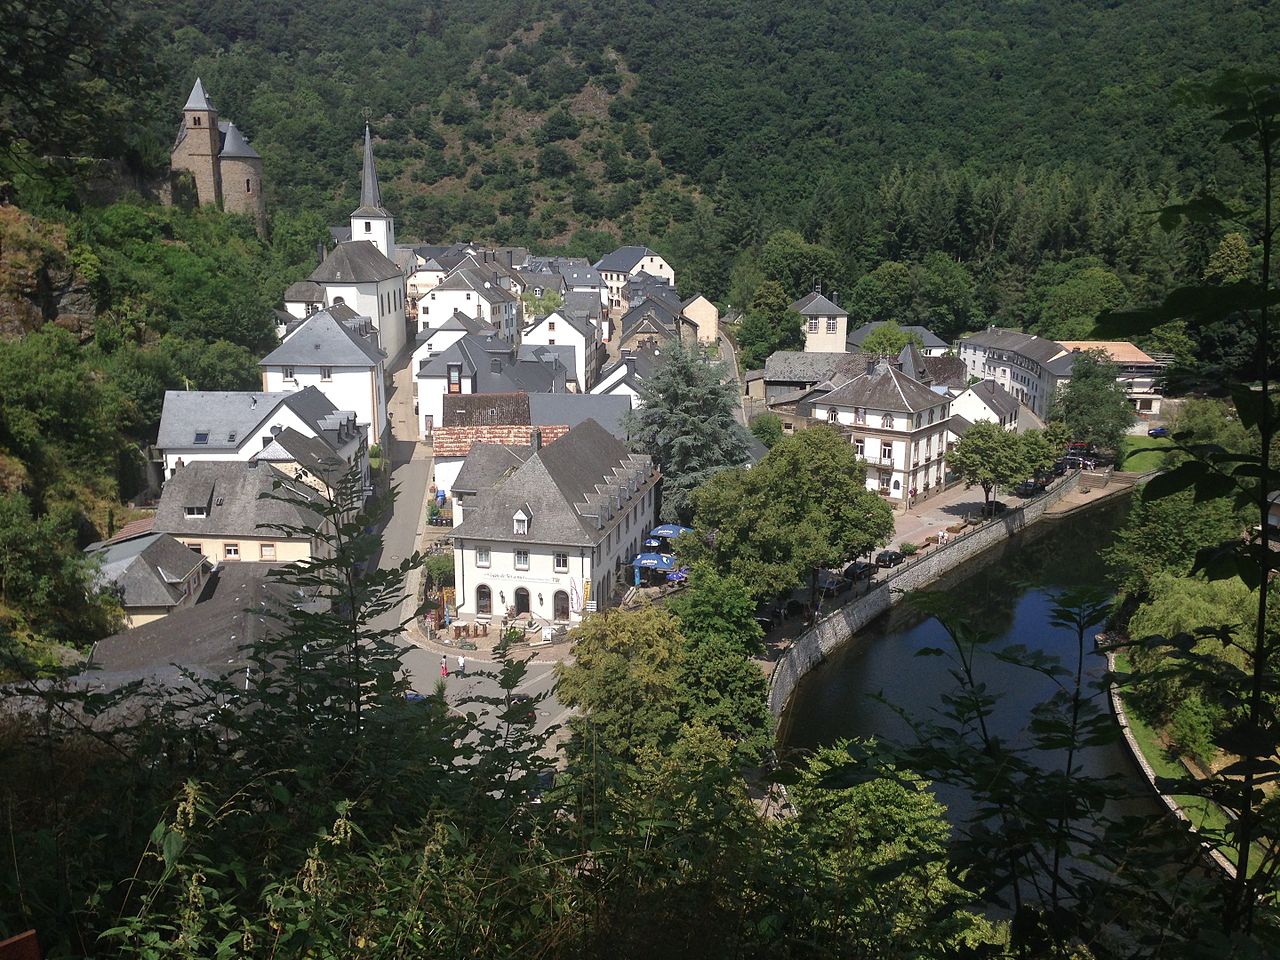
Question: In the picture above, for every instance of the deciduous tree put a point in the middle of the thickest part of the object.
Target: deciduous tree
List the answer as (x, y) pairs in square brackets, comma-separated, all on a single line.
[(1093, 404)]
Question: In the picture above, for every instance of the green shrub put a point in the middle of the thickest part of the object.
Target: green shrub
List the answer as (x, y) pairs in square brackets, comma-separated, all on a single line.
[(909, 549), (1191, 728)]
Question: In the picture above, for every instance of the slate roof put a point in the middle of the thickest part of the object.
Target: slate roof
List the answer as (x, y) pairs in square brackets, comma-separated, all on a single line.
[(575, 408), (480, 355), (467, 279), (489, 464), (569, 487), (146, 571), (321, 340), (229, 491), (959, 425), (582, 277), (1024, 344), (912, 362), (795, 366), (355, 261), (624, 259), (884, 388), (310, 453), (485, 409), (304, 291), (815, 304), (658, 313), (458, 441), (205, 639), (198, 100), (583, 305), (460, 321), (641, 363), (997, 399), (370, 195), (234, 145), (926, 336), (229, 416), (550, 354), (580, 325), (948, 372)]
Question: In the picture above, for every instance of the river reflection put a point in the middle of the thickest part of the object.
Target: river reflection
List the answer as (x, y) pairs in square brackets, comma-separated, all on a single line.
[(1009, 596)]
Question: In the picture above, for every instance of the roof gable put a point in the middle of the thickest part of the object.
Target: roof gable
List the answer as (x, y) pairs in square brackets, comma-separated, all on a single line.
[(355, 261)]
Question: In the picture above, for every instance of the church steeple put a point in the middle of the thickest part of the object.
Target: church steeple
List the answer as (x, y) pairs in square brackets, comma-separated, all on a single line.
[(371, 221)]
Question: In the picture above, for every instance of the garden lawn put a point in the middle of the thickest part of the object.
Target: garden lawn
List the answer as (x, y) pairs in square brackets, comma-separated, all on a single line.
[(1145, 460)]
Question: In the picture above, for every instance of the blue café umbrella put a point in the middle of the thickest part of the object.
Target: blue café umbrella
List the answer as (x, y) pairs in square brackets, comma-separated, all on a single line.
[(651, 542), (654, 561), (669, 531), (678, 576)]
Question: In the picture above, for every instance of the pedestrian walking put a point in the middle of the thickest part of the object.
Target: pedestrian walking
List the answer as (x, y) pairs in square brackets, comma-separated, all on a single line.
[(462, 665), (444, 666)]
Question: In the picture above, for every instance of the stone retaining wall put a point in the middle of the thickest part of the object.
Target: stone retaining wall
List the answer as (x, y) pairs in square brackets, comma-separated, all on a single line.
[(812, 646)]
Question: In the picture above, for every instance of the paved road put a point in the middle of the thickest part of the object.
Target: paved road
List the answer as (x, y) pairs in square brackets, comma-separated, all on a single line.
[(411, 473), (730, 357)]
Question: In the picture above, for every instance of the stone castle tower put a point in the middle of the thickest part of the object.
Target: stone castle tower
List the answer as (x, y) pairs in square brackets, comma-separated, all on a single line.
[(227, 171)]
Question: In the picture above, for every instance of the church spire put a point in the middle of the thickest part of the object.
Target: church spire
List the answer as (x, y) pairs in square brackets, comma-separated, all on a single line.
[(370, 195), (199, 100)]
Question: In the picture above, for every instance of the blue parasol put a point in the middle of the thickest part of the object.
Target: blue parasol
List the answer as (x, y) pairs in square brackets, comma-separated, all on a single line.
[(654, 561), (669, 531)]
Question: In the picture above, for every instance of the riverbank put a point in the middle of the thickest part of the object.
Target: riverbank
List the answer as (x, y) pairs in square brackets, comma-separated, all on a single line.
[(813, 645)]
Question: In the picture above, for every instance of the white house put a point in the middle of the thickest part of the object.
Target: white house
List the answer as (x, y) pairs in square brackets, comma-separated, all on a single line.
[(482, 365), (468, 292), (618, 267), (826, 325), (548, 532), (337, 353), (436, 340), (1027, 366), (1141, 374), (624, 377), (987, 400), (560, 329), (207, 425), (897, 425)]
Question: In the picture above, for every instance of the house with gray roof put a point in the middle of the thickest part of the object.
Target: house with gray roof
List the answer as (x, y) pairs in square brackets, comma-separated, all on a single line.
[(1029, 367), (655, 323), (930, 345), (788, 371), (151, 575), (826, 323), (232, 510), (231, 425), (563, 329), (624, 263), (547, 539), (484, 365), (634, 366), (897, 425), (341, 359), (471, 292)]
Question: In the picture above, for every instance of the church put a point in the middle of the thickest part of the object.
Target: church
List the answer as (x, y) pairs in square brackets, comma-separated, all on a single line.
[(361, 272), (227, 171)]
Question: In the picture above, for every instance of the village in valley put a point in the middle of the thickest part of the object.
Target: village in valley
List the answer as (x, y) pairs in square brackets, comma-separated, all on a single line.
[(494, 389)]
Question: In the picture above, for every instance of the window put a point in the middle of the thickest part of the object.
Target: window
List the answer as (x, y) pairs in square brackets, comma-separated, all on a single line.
[(196, 546), (833, 415), (368, 227), (522, 559), (859, 446), (813, 324), (200, 511), (288, 373), (202, 436), (551, 341), (551, 325), (484, 599), (267, 551), (455, 378), (561, 562), (326, 373), (887, 421), (831, 325), (231, 551), (931, 413), (195, 121), (886, 450), (522, 526), (859, 414), (482, 556)]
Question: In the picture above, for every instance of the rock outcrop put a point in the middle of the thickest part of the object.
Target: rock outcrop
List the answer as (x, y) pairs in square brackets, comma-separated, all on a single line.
[(39, 283)]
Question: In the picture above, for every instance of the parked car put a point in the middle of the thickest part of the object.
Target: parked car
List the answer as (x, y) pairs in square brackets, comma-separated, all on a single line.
[(1079, 463), (1158, 432), (889, 558), (829, 585), (1060, 468), (859, 570), (765, 615), (1028, 488)]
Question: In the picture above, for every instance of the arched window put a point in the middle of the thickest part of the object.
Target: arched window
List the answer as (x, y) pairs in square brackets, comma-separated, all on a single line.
[(887, 421), (560, 605), (248, 185), (484, 599), (833, 415)]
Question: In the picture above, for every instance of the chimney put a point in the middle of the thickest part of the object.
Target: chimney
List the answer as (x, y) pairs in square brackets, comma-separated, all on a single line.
[(817, 285), (835, 297), (535, 439), (320, 250)]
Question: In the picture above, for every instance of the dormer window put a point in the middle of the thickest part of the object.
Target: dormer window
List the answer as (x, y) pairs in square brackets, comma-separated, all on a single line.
[(200, 511), (887, 421), (520, 523)]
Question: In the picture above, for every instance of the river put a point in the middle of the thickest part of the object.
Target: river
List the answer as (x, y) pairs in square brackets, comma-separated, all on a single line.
[(1007, 591)]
